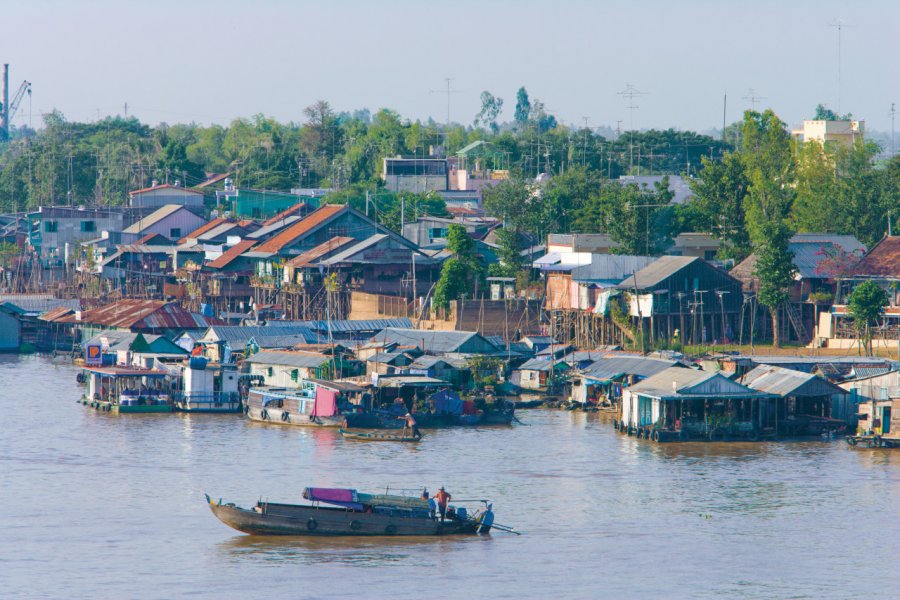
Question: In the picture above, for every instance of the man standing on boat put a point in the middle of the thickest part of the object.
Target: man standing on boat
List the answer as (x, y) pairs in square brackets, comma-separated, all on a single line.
[(443, 498), (409, 422)]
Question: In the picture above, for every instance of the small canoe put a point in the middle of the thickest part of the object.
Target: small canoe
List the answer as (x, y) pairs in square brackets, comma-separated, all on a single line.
[(377, 436)]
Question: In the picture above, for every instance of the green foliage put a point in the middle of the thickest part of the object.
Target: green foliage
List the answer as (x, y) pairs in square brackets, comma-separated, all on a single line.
[(865, 306), (452, 284), (718, 205), (461, 273), (523, 107), (823, 113), (490, 110), (633, 217)]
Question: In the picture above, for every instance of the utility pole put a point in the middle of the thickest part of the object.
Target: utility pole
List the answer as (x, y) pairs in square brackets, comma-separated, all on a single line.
[(630, 92), (448, 91), (724, 110), (584, 151)]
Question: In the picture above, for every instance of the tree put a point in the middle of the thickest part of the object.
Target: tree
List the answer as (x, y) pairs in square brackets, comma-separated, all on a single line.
[(490, 110), (766, 155), (462, 272), (718, 205), (774, 269), (509, 251), (523, 107), (823, 113), (865, 306)]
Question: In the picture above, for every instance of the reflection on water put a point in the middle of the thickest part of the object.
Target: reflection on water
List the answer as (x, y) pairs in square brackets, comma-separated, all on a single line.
[(605, 515)]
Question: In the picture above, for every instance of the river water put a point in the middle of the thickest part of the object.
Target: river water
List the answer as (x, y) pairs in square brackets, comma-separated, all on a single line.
[(101, 506)]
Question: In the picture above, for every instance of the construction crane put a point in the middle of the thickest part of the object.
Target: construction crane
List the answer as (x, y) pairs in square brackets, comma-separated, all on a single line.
[(8, 108)]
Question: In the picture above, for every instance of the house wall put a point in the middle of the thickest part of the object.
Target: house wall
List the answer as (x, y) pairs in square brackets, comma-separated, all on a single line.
[(262, 205), (530, 380), (159, 198), (10, 332), (71, 227), (174, 226), (281, 374)]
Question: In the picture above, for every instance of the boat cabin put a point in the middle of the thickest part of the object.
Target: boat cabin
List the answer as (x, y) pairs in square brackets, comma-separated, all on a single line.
[(879, 417), (128, 389), (314, 402), (208, 387)]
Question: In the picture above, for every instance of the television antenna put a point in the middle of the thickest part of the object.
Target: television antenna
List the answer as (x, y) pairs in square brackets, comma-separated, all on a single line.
[(753, 98), (840, 25), (630, 92)]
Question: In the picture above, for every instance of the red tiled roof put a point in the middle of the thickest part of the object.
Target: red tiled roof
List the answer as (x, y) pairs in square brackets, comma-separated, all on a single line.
[(146, 239), (311, 221), (204, 228), (231, 254), (332, 245), (285, 213), (163, 187), (883, 260)]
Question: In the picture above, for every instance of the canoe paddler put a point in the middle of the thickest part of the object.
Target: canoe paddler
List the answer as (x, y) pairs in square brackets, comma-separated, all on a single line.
[(409, 422)]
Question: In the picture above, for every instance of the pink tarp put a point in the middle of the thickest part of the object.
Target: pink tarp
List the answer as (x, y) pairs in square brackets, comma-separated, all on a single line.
[(325, 403), (330, 494)]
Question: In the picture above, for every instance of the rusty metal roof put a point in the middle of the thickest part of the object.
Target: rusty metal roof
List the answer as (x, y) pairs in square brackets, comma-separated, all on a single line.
[(143, 314), (332, 245), (299, 207), (883, 260), (205, 227), (302, 227), (231, 254)]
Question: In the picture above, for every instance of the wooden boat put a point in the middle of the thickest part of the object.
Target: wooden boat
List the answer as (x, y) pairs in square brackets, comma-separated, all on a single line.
[(350, 518), (121, 389), (377, 436)]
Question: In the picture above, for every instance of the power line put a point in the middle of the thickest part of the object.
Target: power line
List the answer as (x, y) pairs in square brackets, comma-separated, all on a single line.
[(840, 25), (630, 92), (753, 98)]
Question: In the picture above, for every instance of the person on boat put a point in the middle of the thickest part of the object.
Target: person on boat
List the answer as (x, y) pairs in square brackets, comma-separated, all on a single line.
[(197, 350), (486, 519), (432, 507), (410, 423), (443, 499)]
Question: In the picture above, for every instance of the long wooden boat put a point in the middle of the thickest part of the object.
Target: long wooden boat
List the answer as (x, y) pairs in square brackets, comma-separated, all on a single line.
[(377, 436), (270, 518)]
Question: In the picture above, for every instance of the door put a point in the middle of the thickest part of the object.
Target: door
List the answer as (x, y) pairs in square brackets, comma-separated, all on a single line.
[(885, 420)]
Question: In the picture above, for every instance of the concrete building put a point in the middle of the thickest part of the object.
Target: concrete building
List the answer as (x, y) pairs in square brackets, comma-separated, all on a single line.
[(56, 231), (157, 196), (842, 132), (419, 175)]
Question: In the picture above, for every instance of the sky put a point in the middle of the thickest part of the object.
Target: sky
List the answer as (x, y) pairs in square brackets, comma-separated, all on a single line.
[(215, 60)]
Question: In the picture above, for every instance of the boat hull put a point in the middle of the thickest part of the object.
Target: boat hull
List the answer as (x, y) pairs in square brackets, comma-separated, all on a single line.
[(278, 416), (117, 409), (270, 519), (365, 436)]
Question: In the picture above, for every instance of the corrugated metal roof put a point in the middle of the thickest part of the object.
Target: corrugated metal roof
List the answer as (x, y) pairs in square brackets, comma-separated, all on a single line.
[(313, 220), (883, 260), (310, 256), (164, 186), (427, 361), (39, 303), (204, 228), (219, 230), (608, 368), (231, 254), (306, 360), (541, 364), (143, 314), (154, 217), (288, 212), (241, 334), (267, 230), (122, 340), (346, 253), (847, 243), (612, 267), (787, 382), (676, 381), (656, 272), (351, 325), (432, 341)]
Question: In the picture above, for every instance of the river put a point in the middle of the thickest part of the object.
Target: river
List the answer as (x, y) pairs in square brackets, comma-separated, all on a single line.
[(102, 506)]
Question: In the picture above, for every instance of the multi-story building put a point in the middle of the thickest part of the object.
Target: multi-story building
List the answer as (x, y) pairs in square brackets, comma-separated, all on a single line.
[(842, 132)]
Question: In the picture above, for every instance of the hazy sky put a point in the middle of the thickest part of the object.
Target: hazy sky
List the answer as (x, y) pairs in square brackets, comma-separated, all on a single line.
[(214, 60)]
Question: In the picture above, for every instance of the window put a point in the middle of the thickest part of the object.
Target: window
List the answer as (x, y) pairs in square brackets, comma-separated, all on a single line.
[(437, 232), (175, 233), (51, 226), (256, 213), (295, 374), (270, 371), (88, 226)]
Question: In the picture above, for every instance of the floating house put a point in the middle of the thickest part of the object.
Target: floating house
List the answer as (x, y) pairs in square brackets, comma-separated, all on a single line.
[(126, 389), (603, 381), (292, 368), (810, 404), (539, 374), (686, 404)]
